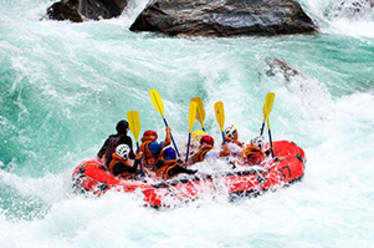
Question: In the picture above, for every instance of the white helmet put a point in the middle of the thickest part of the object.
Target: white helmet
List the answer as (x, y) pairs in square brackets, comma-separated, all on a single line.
[(229, 131), (123, 151), (258, 141)]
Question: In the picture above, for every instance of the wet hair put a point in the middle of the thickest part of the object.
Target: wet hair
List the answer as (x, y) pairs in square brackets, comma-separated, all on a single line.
[(122, 127)]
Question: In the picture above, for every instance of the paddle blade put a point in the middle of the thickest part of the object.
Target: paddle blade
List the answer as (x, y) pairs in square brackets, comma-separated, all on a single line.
[(192, 115), (134, 123), (268, 104), (200, 113), (157, 101), (220, 114)]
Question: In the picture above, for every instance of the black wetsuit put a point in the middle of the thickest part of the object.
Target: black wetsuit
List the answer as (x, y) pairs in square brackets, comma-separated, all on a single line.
[(110, 145), (120, 168), (177, 170)]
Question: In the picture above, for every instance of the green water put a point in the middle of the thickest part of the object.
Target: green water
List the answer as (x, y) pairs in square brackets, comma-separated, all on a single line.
[(64, 86)]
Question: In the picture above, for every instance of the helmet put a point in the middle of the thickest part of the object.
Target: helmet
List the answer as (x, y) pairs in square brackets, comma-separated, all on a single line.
[(197, 134), (169, 154), (207, 139), (229, 131), (258, 141), (123, 151), (122, 127), (150, 133)]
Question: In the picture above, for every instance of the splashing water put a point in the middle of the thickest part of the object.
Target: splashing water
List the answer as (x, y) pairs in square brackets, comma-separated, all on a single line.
[(64, 86)]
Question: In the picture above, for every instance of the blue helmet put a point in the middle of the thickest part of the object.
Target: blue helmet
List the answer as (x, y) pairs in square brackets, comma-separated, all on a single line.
[(169, 154)]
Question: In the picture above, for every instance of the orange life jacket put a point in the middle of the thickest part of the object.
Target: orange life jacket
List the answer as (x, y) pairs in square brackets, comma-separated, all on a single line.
[(118, 160), (163, 171), (253, 154), (199, 156), (150, 160)]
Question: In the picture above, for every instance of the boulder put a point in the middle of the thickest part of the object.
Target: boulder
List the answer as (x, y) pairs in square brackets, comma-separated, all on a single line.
[(223, 18), (80, 10)]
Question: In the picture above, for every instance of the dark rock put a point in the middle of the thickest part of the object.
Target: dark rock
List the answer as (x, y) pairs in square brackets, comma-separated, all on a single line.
[(80, 10), (64, 11), (222, 18)]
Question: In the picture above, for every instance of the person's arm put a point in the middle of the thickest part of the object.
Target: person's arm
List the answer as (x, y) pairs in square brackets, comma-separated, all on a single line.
[(225, 152), (228, 139), (137, 160), (129, 143), (103, 148), (167, 138), (239, 143)]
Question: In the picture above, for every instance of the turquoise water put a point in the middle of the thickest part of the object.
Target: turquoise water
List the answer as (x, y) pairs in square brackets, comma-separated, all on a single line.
[(64, 86)]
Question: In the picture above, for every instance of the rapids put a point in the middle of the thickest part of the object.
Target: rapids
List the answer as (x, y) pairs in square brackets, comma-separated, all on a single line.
[(64, 86)]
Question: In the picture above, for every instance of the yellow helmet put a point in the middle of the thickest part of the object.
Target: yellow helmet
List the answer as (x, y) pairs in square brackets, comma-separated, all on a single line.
[(197, 134)]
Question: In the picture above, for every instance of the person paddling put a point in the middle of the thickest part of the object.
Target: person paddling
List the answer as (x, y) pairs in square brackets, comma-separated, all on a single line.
[(207, 152), (111, 143), (169, 167), (120, 165), (232, 139), (150, 149), (255, 153), (258, 152), (195, 141)]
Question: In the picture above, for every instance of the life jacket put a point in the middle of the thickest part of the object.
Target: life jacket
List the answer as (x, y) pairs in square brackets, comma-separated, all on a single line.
[(116, 159), (150, 160), (163, 171), (253, 154), (199, 156)]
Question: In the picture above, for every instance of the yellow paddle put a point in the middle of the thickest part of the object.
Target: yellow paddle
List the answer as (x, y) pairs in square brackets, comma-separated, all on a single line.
[(134, 125), (157, 102), (220, 117), (159, 106), (191, 120), (268, 105), (200, 113)]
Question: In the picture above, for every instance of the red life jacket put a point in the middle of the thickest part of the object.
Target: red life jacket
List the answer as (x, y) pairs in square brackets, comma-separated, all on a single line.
[(118, 160)]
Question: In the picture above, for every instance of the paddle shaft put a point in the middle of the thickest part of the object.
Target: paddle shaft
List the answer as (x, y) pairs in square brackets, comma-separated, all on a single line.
[(270, 139), (172, 139), (140, 163), (262, 128), (223, 137), (188, 147)]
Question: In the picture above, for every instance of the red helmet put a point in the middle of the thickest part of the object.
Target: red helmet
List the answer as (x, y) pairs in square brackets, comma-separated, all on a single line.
[(150, 133), (207, 140)]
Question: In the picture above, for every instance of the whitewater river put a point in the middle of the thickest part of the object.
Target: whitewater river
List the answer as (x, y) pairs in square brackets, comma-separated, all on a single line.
[(64, 86)]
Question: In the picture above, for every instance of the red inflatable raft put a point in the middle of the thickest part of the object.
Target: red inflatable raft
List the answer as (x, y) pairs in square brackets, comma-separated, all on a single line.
[(88, 177)]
